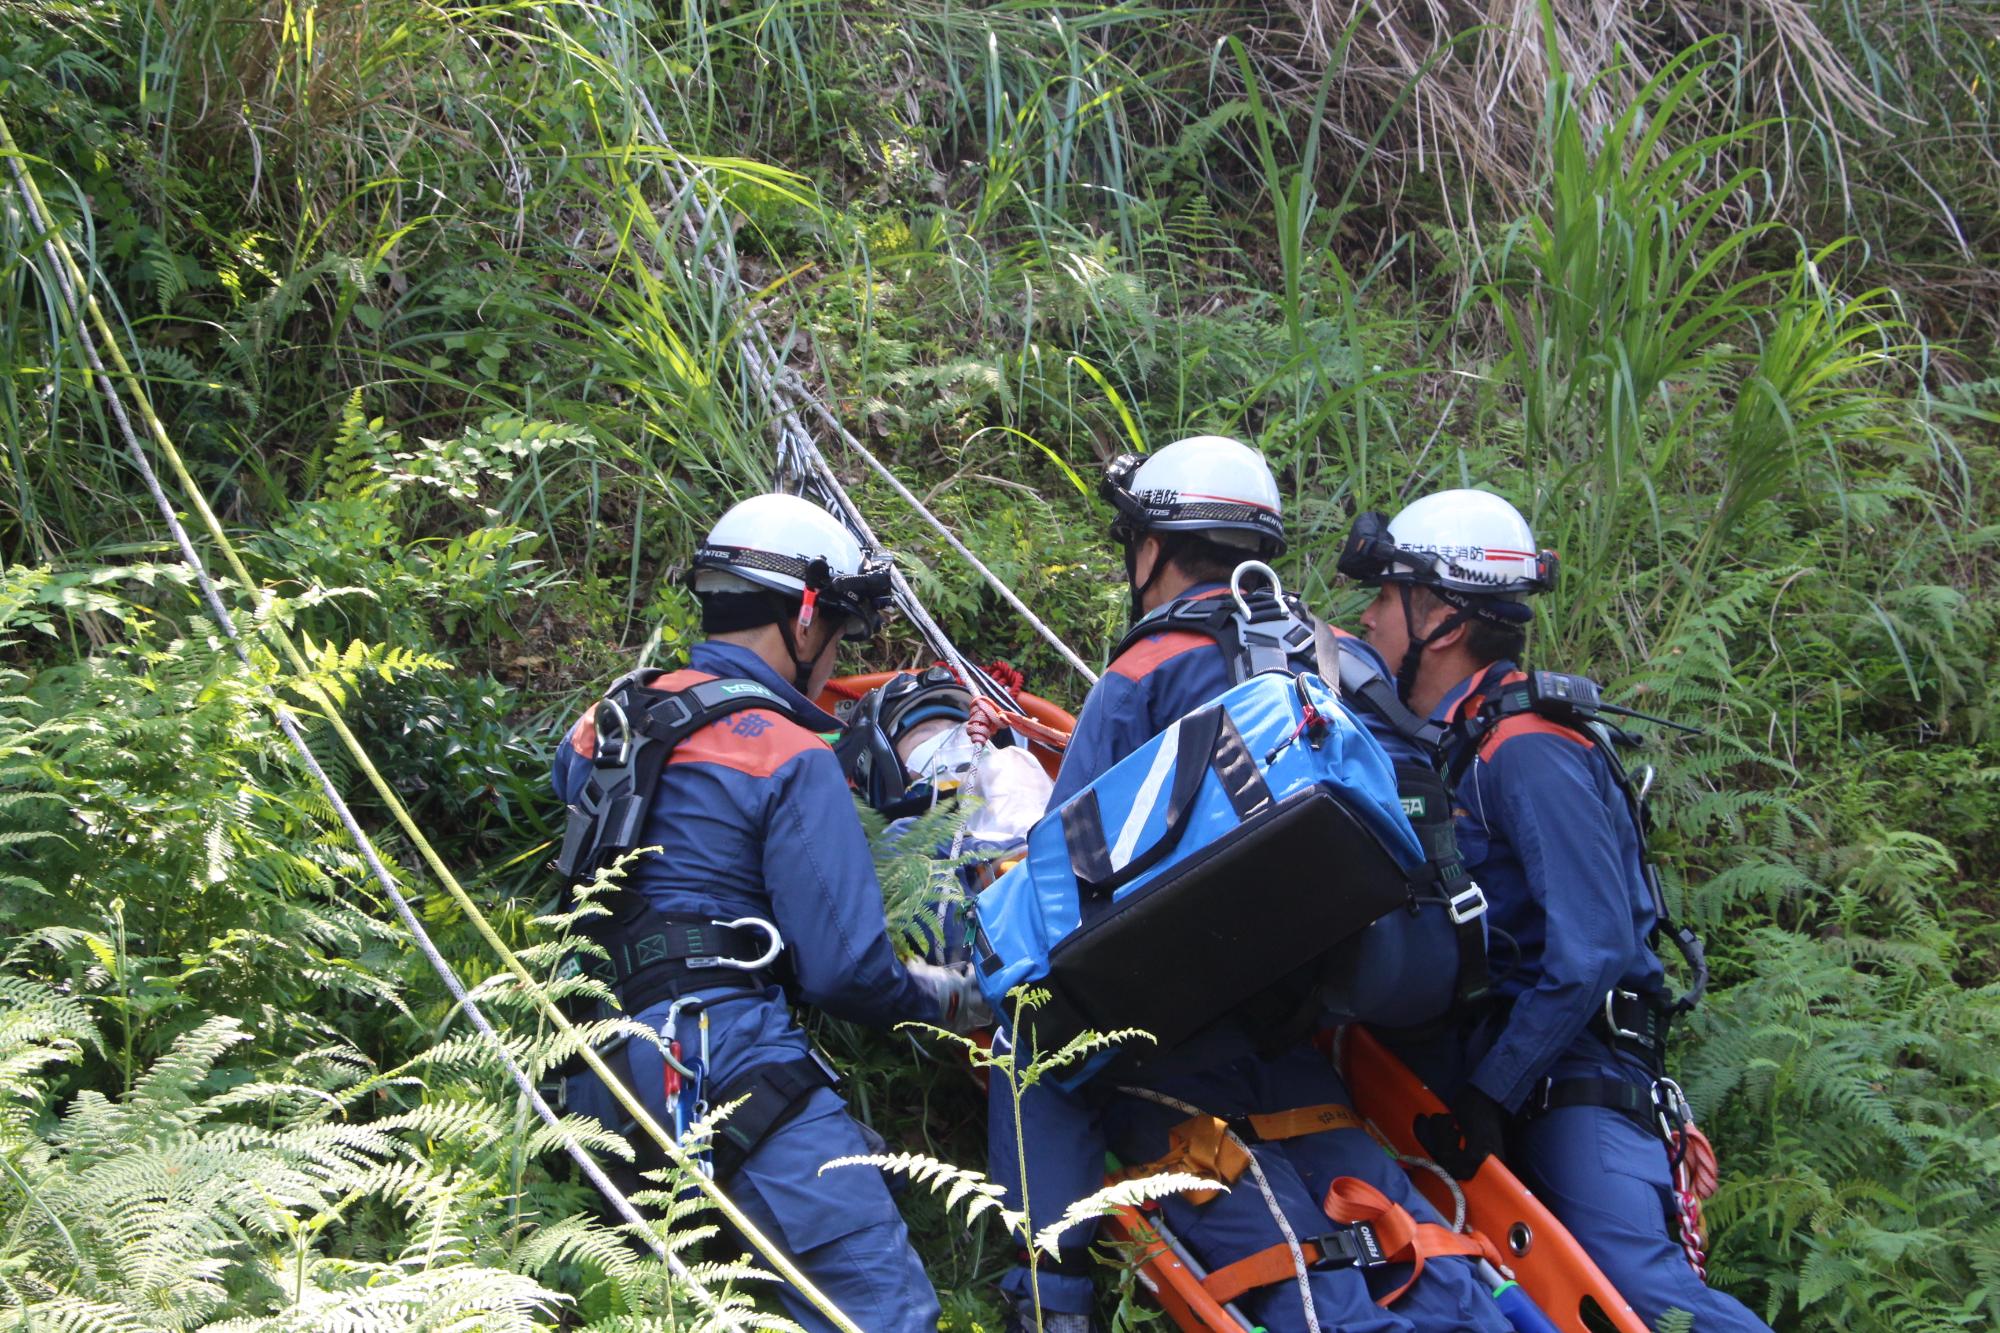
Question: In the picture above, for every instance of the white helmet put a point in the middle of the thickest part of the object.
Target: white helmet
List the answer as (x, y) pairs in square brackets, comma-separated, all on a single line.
[(1210, 484), (1472, 547), (789, 545)]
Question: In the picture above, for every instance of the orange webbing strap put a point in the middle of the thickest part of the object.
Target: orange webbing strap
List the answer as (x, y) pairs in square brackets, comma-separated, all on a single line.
[(1404, 1239), (1302, 1121), (1203, 1145), (1265, 1268), (1200, 1145)]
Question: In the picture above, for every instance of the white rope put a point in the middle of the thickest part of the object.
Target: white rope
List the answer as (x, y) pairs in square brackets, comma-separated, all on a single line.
[(1299, 1266), (847, 437), (287, 723), (798, 455)]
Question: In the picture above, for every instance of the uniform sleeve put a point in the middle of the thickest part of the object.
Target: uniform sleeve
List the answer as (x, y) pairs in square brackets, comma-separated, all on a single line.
[(1114, 722), (567, 772), (828, 905), (1540, 793)]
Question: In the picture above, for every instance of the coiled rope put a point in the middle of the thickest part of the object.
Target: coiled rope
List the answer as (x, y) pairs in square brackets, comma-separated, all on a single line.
[(80, 305)]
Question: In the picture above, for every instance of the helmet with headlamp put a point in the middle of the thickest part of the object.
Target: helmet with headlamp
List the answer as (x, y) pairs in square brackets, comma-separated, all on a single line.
[(1207, 484), (1470, 549), (898, 785), (789, 546)]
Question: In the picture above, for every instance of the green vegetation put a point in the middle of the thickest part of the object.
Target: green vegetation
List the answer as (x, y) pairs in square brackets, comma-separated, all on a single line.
[(420, 290)]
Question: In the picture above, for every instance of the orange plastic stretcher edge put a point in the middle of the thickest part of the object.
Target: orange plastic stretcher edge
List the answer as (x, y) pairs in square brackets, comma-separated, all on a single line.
[(1049, 723), (1552, 1268)]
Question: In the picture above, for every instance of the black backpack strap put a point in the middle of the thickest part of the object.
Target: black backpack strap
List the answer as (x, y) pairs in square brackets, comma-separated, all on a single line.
[(1444, 879), (1193, 615), (1362, 682), (1462, 745)]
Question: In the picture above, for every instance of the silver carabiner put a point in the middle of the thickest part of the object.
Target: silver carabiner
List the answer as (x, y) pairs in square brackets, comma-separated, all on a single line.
[(1236, 585), (1670, 1105), (669, 1030), (1611, 997)]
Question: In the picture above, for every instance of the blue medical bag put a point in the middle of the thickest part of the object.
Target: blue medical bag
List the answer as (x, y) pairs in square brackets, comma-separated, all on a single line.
[(1235, 848)]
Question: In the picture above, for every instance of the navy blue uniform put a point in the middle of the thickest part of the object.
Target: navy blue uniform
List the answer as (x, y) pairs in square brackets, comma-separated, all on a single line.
[(1546, 831), (1156, 681), (753, 818)]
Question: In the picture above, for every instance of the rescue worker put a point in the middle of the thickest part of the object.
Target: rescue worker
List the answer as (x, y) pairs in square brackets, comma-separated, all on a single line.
[(1544, 827), (1187, 516), (759, 847)]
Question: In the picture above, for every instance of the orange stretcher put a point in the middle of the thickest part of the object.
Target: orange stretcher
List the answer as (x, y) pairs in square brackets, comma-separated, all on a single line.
[(1544, 1258)]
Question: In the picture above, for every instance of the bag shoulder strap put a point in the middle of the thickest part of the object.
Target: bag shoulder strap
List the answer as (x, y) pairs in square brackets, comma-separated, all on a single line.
[(1361, 681)]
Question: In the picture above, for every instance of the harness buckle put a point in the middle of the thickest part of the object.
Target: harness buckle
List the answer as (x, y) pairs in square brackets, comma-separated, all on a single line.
[(1611, 998), (769, 956), (1353, 1246), (1469, 904)]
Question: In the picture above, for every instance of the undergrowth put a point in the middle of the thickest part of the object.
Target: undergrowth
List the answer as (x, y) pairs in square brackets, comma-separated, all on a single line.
[(413, 285)]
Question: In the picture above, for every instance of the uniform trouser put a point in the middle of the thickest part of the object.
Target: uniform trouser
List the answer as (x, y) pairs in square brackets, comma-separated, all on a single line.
[(1609, 1181), (841, 1228), (1067, 1136)]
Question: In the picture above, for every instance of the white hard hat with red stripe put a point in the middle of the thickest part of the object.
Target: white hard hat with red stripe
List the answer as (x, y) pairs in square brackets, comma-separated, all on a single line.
[(1466, 542), (1207, 484), (788, 545)]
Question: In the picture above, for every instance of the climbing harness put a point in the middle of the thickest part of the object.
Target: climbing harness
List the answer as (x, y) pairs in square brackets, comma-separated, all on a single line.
[(90, 325), (1634, 1022), (1628, 1020), (638, 728), (1259, 629)]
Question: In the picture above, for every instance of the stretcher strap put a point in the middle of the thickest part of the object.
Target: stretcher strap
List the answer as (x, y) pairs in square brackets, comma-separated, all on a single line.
[(1404, 1239), (1265, 1268), (1278, 1125), (1202, 1145)]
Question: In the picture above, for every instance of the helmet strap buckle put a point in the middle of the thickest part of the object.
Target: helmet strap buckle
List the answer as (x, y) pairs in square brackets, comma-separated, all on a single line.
[(808, 607)]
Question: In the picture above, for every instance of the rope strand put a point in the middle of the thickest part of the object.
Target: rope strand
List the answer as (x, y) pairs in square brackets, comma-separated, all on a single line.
[(81, 301)]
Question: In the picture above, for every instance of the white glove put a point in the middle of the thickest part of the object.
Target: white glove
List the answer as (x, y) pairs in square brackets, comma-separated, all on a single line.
[(961, 1005)]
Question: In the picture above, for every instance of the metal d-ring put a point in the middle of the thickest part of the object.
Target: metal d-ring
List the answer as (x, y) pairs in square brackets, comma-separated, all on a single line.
[(624, 732), (770, 954), (1236, 585)]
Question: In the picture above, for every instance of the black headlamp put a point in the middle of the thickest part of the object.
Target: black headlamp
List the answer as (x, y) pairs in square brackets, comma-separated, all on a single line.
[(859, 596), (1116, 488), (1369, 550)]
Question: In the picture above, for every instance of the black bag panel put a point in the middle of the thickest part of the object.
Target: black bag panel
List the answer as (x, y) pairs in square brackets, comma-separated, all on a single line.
[(1272, 896)]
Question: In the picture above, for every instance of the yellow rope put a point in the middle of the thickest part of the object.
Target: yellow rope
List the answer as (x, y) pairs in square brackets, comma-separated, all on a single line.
[(274, 633)]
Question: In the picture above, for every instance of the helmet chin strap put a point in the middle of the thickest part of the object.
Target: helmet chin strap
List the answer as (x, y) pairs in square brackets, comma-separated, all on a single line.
[(802, 668), (1413, 656), (1138, 589)]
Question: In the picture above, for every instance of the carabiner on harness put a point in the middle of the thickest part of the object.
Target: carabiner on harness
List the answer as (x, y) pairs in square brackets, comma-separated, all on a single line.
[(769, 956)]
